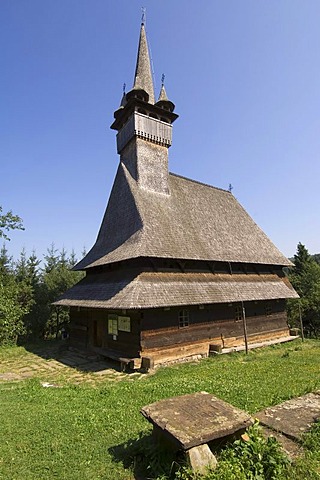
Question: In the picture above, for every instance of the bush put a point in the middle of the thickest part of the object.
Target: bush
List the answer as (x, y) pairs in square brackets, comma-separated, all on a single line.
[(253, 457)]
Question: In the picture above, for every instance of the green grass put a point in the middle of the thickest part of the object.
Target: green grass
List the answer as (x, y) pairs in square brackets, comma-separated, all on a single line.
[(79, 432)]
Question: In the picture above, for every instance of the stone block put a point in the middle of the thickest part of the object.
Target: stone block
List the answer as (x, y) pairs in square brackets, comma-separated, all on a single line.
[(147, 363), (201, 458)]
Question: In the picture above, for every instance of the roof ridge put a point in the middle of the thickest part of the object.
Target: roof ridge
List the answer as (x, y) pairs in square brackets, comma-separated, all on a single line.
[(199, 183)]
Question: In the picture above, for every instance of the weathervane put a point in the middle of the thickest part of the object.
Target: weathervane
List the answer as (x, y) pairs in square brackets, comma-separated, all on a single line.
[(124, 88), (162, 79), (230, 188)]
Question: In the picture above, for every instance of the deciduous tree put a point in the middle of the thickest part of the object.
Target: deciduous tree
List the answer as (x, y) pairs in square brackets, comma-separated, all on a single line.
[(9, 221)]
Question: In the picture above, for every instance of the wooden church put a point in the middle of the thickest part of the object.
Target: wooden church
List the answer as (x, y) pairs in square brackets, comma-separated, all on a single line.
[(177, 264)]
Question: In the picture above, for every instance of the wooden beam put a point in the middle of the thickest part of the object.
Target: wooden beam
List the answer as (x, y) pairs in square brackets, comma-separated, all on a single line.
[(211, 266), (181, 265), (153, 264), (244, 327)]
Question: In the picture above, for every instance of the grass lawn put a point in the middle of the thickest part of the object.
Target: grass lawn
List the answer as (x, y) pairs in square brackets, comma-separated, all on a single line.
[(78, 431)]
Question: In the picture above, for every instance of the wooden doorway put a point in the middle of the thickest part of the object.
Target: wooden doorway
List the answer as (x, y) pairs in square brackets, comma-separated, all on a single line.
[(97, 341)]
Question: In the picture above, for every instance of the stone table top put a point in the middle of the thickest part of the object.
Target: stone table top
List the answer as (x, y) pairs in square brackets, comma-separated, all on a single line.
[(195, 419), (293, 417)]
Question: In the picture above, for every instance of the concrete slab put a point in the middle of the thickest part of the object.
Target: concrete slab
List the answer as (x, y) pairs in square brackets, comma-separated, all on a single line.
[(293, 417), (191, 420)]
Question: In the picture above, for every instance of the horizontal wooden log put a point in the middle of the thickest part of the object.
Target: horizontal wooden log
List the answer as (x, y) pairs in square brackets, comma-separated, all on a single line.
[(211, 330), (175, 352)]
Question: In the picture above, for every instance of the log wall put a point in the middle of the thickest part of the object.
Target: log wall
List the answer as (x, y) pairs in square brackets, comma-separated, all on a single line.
[(156, 333), (163, 340), (89, 328)]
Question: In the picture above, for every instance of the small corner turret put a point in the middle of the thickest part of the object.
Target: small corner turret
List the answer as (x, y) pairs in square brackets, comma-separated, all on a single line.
[(163, 101)]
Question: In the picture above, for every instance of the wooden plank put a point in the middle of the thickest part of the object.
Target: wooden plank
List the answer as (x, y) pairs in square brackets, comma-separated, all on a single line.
[(211, 330), (175, 352)]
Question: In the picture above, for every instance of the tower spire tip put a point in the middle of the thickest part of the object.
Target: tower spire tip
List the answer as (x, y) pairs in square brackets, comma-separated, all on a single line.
[(143, 15)]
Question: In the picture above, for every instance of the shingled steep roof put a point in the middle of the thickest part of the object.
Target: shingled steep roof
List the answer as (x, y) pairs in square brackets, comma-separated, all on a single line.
[(143, 76), (150, 289), (195, 221)]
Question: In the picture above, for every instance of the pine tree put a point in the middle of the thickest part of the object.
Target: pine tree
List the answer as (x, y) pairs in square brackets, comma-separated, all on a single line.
[(305, 278), (16, 297), (6, 261), (57, 278), (51, 259), (301, 259)]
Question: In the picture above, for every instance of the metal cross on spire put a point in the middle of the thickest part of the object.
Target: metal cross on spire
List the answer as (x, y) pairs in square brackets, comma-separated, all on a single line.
[(162, 79), (144, 15)]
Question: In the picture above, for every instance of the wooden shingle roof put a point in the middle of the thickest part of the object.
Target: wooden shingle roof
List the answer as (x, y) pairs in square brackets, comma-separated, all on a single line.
[(161, 289), (196, 221)]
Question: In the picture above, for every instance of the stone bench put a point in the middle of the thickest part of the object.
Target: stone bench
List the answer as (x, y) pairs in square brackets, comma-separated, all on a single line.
[(190, 422)]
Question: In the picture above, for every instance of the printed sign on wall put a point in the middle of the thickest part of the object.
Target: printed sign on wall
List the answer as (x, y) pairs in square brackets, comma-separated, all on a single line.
[(113, 324), (124, 324)]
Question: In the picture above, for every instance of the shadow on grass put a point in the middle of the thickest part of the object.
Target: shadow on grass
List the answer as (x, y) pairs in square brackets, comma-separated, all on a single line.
[(81, 360), (146, 458)]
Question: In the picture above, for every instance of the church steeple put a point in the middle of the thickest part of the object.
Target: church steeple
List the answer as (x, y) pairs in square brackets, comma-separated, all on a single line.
[(143, 74), (145, 127)]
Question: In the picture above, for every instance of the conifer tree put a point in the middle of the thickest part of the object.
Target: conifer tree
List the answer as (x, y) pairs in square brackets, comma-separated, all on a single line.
[(301, 259), (16, 298), (305, 278)]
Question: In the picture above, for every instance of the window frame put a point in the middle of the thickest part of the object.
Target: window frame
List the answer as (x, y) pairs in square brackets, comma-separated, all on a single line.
[(183, 318), (238, 313)]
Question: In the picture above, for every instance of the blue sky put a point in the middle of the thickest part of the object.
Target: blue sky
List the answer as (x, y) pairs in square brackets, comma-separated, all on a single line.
[(245, 79)]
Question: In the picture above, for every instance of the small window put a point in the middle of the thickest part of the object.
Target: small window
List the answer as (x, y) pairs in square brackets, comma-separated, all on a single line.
[(238, 313), (268, 310), (183, 318)]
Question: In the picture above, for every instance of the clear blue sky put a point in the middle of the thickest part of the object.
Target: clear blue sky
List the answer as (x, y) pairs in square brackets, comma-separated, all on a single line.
[(245, 78)]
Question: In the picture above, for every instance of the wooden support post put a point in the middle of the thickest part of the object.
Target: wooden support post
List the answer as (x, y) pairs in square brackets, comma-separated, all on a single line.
[(301, 322), (244, 327)]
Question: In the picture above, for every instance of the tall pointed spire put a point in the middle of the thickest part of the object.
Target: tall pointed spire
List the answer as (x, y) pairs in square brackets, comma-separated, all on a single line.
[(143, 76)]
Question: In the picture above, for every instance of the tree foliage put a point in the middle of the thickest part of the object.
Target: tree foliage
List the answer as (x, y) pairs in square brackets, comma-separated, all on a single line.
[(27, 291), (57, 278), (305, 278), (316, 257), (9, 221), (16, 298), (49, 283), (301, 259)]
